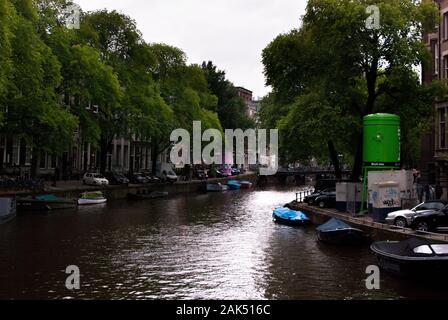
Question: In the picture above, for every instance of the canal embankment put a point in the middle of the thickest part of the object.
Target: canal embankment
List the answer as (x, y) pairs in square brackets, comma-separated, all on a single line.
[(377, 231), (72, 189)]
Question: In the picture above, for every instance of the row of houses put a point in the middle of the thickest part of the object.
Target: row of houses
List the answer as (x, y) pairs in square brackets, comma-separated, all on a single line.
[(434, 146), (124, 156)]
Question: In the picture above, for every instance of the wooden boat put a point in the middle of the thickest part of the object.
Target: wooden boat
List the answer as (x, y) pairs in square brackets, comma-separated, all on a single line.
[(91, 198), (290, 217), (44, 203), (8, 209), (246, 184), (146, 196), (338, 232), (216, 187), (421, 259), (234, 185)]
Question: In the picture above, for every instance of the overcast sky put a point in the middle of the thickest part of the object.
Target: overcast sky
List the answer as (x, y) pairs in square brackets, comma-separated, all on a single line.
[(231, 33)]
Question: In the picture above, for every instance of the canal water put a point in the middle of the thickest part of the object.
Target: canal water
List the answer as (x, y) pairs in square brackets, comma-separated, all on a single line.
[(196, 246)]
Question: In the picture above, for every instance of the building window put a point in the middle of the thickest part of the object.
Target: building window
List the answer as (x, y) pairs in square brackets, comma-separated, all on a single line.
[(442, 128), (445, 26), (445, 67), (436, 58)]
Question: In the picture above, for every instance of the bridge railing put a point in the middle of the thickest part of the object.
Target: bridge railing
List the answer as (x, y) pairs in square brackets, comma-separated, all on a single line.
[(300, 196)]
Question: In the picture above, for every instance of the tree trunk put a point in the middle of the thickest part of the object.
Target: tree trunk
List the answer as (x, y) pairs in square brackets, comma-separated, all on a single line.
[(335, 160), (104, 150), (154, 155), (35, 160)]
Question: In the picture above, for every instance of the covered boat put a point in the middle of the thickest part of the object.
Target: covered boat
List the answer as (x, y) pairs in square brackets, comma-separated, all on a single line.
[(413, 258), (290, 217), (45, 202), (7, 209), (146, 196), (89, 198), (246, 184), (338, 232), (216, 187), (234, 184)]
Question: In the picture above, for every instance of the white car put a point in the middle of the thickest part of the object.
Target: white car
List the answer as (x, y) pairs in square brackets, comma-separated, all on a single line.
[(403, 218), (95, 179)]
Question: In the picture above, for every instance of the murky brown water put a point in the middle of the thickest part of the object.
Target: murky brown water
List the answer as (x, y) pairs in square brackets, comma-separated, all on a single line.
[(204, 246)]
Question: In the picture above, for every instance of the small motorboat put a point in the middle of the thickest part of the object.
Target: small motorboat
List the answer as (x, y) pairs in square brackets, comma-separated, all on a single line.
[(414, 257), (246, 184), (338, 232), (46, 202), (216, 187), (234, 184), (90, 198), (7, 209), (146, 196), (290, 217)]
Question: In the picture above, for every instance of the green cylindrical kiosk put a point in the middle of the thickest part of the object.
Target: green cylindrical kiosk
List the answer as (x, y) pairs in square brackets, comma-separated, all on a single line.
[(382, 141), (382, 151)]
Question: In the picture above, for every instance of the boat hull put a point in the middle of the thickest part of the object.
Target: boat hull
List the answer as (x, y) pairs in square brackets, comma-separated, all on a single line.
[(44, 205), (86, 202), (216, 188), (289, 222), (419, 268), (8, 209), (342, 237)]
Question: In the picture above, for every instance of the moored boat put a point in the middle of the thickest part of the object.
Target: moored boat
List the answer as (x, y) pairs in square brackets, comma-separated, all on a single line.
[(234, 185), (91, 198), (338, 232), (7, 209), (421, 259), (216, 187), (146, 196), (246, 184), (290, 217), (46, 202)]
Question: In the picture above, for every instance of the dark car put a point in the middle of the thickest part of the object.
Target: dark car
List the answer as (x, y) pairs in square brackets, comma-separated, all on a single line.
[(236, 172), (312, 197), (201, 174), (116, 178), (326, 200), (431, 220), (137, 178)]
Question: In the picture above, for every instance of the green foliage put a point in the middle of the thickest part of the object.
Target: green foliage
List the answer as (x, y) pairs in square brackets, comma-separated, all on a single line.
[(230, 107), (330, 73)]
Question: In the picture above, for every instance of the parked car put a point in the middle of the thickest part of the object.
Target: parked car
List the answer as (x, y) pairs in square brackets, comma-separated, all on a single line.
[(137, 178), (150, 177), (431, 220), (226, 171), (403, 218), (326, 200), (235, 171), (169, 176), (312, 197), (116, 178), (94, 179), (201, 174)]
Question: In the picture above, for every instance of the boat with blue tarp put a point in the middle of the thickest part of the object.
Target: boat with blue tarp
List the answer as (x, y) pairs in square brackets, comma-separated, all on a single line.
[(234, 184), (290, 217)]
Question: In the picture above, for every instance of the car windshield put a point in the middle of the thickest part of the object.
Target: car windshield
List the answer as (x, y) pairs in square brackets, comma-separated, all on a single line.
[(98, 176), (171, 173)]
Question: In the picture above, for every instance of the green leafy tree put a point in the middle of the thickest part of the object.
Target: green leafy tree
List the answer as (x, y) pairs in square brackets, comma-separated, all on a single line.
[(334, 70)]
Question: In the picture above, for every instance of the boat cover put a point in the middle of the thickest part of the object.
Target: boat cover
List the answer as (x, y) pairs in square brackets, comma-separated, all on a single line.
[(233, 183), (288, 214), (47, 197), (333, 224), (403, 248)]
